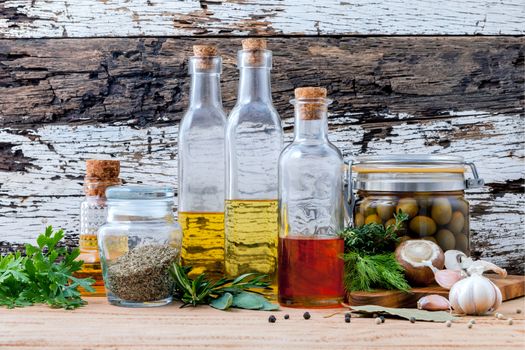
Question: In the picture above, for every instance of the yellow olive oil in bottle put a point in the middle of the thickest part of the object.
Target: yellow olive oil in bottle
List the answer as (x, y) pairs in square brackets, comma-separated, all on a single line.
[(254, 139), (201, 167)]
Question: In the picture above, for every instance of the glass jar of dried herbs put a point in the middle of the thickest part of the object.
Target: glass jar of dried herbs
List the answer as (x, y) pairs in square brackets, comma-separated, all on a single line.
[(138, 244)]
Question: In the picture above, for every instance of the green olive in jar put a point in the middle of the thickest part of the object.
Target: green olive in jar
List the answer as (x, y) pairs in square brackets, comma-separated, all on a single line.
[(457, 222), (445, 239), (390, 222), (424, 202), (441, 211), (373, 219), (462, 243), (423, 225), (408, 206), (366, 207), (385, 210), (359, 220), (461, 205)]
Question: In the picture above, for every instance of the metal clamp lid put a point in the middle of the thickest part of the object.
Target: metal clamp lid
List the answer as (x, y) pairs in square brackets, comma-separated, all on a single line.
[(476, 181)]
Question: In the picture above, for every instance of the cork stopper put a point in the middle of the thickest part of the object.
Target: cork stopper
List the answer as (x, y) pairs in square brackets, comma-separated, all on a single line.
[(310, 110), (255, 51), (205, 50), (254, 44), (100, 174), (203, 55), (310, 92)]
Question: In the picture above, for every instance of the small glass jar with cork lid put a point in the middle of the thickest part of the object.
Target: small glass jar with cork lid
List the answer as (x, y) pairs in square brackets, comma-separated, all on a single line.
[(100, 174), (138, 244)]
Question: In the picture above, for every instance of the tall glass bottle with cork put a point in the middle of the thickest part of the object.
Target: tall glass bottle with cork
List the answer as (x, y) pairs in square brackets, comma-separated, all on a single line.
[(311, 209), (201, 167), (254, 140), (100, 174)]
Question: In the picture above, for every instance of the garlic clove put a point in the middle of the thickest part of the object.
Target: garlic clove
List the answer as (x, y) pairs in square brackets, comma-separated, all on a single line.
[(481, 266), (447, 278), (433, 302), (453, 259)]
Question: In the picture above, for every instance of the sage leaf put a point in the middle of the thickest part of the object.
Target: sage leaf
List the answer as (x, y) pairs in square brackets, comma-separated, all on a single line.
[(247, 300), (420, 315), (223, 302)]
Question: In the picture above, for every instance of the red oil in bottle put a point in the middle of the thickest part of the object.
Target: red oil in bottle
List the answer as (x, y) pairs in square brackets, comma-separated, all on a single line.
[(311, 272)]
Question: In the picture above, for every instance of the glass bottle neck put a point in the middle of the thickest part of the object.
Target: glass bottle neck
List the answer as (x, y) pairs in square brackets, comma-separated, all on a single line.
[(311, 130), (254, 85), (205, 90)]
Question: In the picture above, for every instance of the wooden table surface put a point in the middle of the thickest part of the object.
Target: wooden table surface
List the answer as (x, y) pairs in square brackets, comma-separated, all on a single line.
[(102, 326)]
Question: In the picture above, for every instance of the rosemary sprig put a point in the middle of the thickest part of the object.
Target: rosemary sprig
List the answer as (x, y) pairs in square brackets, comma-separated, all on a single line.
[(245, 289)]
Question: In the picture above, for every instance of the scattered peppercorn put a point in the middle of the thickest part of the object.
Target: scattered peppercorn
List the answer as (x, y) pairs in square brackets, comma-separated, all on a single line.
[(469, 326), (510, 321), (449, 323), (473, 321), (286, 316), (412, 319), (348, 314), (348, 319), (518, 311), (272, 319), (374, 315), (382, 318), (378, 320), (306, 315), (500, 316)]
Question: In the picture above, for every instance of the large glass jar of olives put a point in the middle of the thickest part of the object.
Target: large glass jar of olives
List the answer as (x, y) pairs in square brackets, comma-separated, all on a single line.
[(430, 189)]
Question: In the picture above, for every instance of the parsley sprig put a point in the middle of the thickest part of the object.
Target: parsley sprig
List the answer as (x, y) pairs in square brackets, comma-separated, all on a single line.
[(43, 276)]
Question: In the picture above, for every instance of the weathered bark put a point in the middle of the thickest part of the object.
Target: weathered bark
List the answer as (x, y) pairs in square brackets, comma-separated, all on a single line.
[(66, 100)]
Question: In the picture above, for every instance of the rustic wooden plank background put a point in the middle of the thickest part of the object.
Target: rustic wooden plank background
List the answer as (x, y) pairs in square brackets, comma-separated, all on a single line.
[(81, 18), (63, 101)]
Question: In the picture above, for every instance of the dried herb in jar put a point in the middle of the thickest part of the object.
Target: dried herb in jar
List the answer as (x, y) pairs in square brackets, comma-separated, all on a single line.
[(141, 275)]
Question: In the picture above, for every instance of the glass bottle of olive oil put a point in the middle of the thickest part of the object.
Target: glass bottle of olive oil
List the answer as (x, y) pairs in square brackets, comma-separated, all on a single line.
[(201, 167), (254, 139)]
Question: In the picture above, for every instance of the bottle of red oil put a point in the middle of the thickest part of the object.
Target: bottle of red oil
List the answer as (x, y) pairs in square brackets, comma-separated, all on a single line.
[(311, 210)]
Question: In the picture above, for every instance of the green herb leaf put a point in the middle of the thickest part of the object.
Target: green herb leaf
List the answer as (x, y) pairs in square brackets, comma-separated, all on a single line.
[(420, 315), (223, 302), (247, 300), (369, 272), (44, 275)]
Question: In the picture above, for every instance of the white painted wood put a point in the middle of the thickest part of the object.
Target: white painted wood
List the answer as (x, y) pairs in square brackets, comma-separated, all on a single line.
[(51, 190), (86, 18)]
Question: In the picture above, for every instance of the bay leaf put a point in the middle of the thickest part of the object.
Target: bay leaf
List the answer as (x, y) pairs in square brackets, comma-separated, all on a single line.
[(269, 306), (223, 302), (420, 315), (247, 300)]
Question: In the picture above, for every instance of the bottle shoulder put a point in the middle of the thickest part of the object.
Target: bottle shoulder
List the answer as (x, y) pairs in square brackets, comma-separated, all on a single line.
[(298, 150), (205, 115), (254, 112)]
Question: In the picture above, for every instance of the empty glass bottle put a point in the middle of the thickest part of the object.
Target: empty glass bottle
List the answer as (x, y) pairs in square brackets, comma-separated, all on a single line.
[(201, 166), (100, 174), (311, 209), (254, 140)]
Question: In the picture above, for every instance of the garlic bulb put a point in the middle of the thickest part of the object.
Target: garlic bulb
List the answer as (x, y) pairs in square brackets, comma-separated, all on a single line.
[(475, 295)]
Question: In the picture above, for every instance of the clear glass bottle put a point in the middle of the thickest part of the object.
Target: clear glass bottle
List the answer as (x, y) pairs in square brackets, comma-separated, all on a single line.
[(201, 167), (311, 209), (100, 174), (138, 244), (254, 140)]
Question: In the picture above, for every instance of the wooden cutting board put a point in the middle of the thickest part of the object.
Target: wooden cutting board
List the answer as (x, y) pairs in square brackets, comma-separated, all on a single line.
[(513, 286)]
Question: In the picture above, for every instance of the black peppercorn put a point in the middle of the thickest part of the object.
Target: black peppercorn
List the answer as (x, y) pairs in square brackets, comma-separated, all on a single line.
[(286, 316), (348, 319), (272, 319), (412, 319), (348, 314), (382, 318), (306, 315)]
